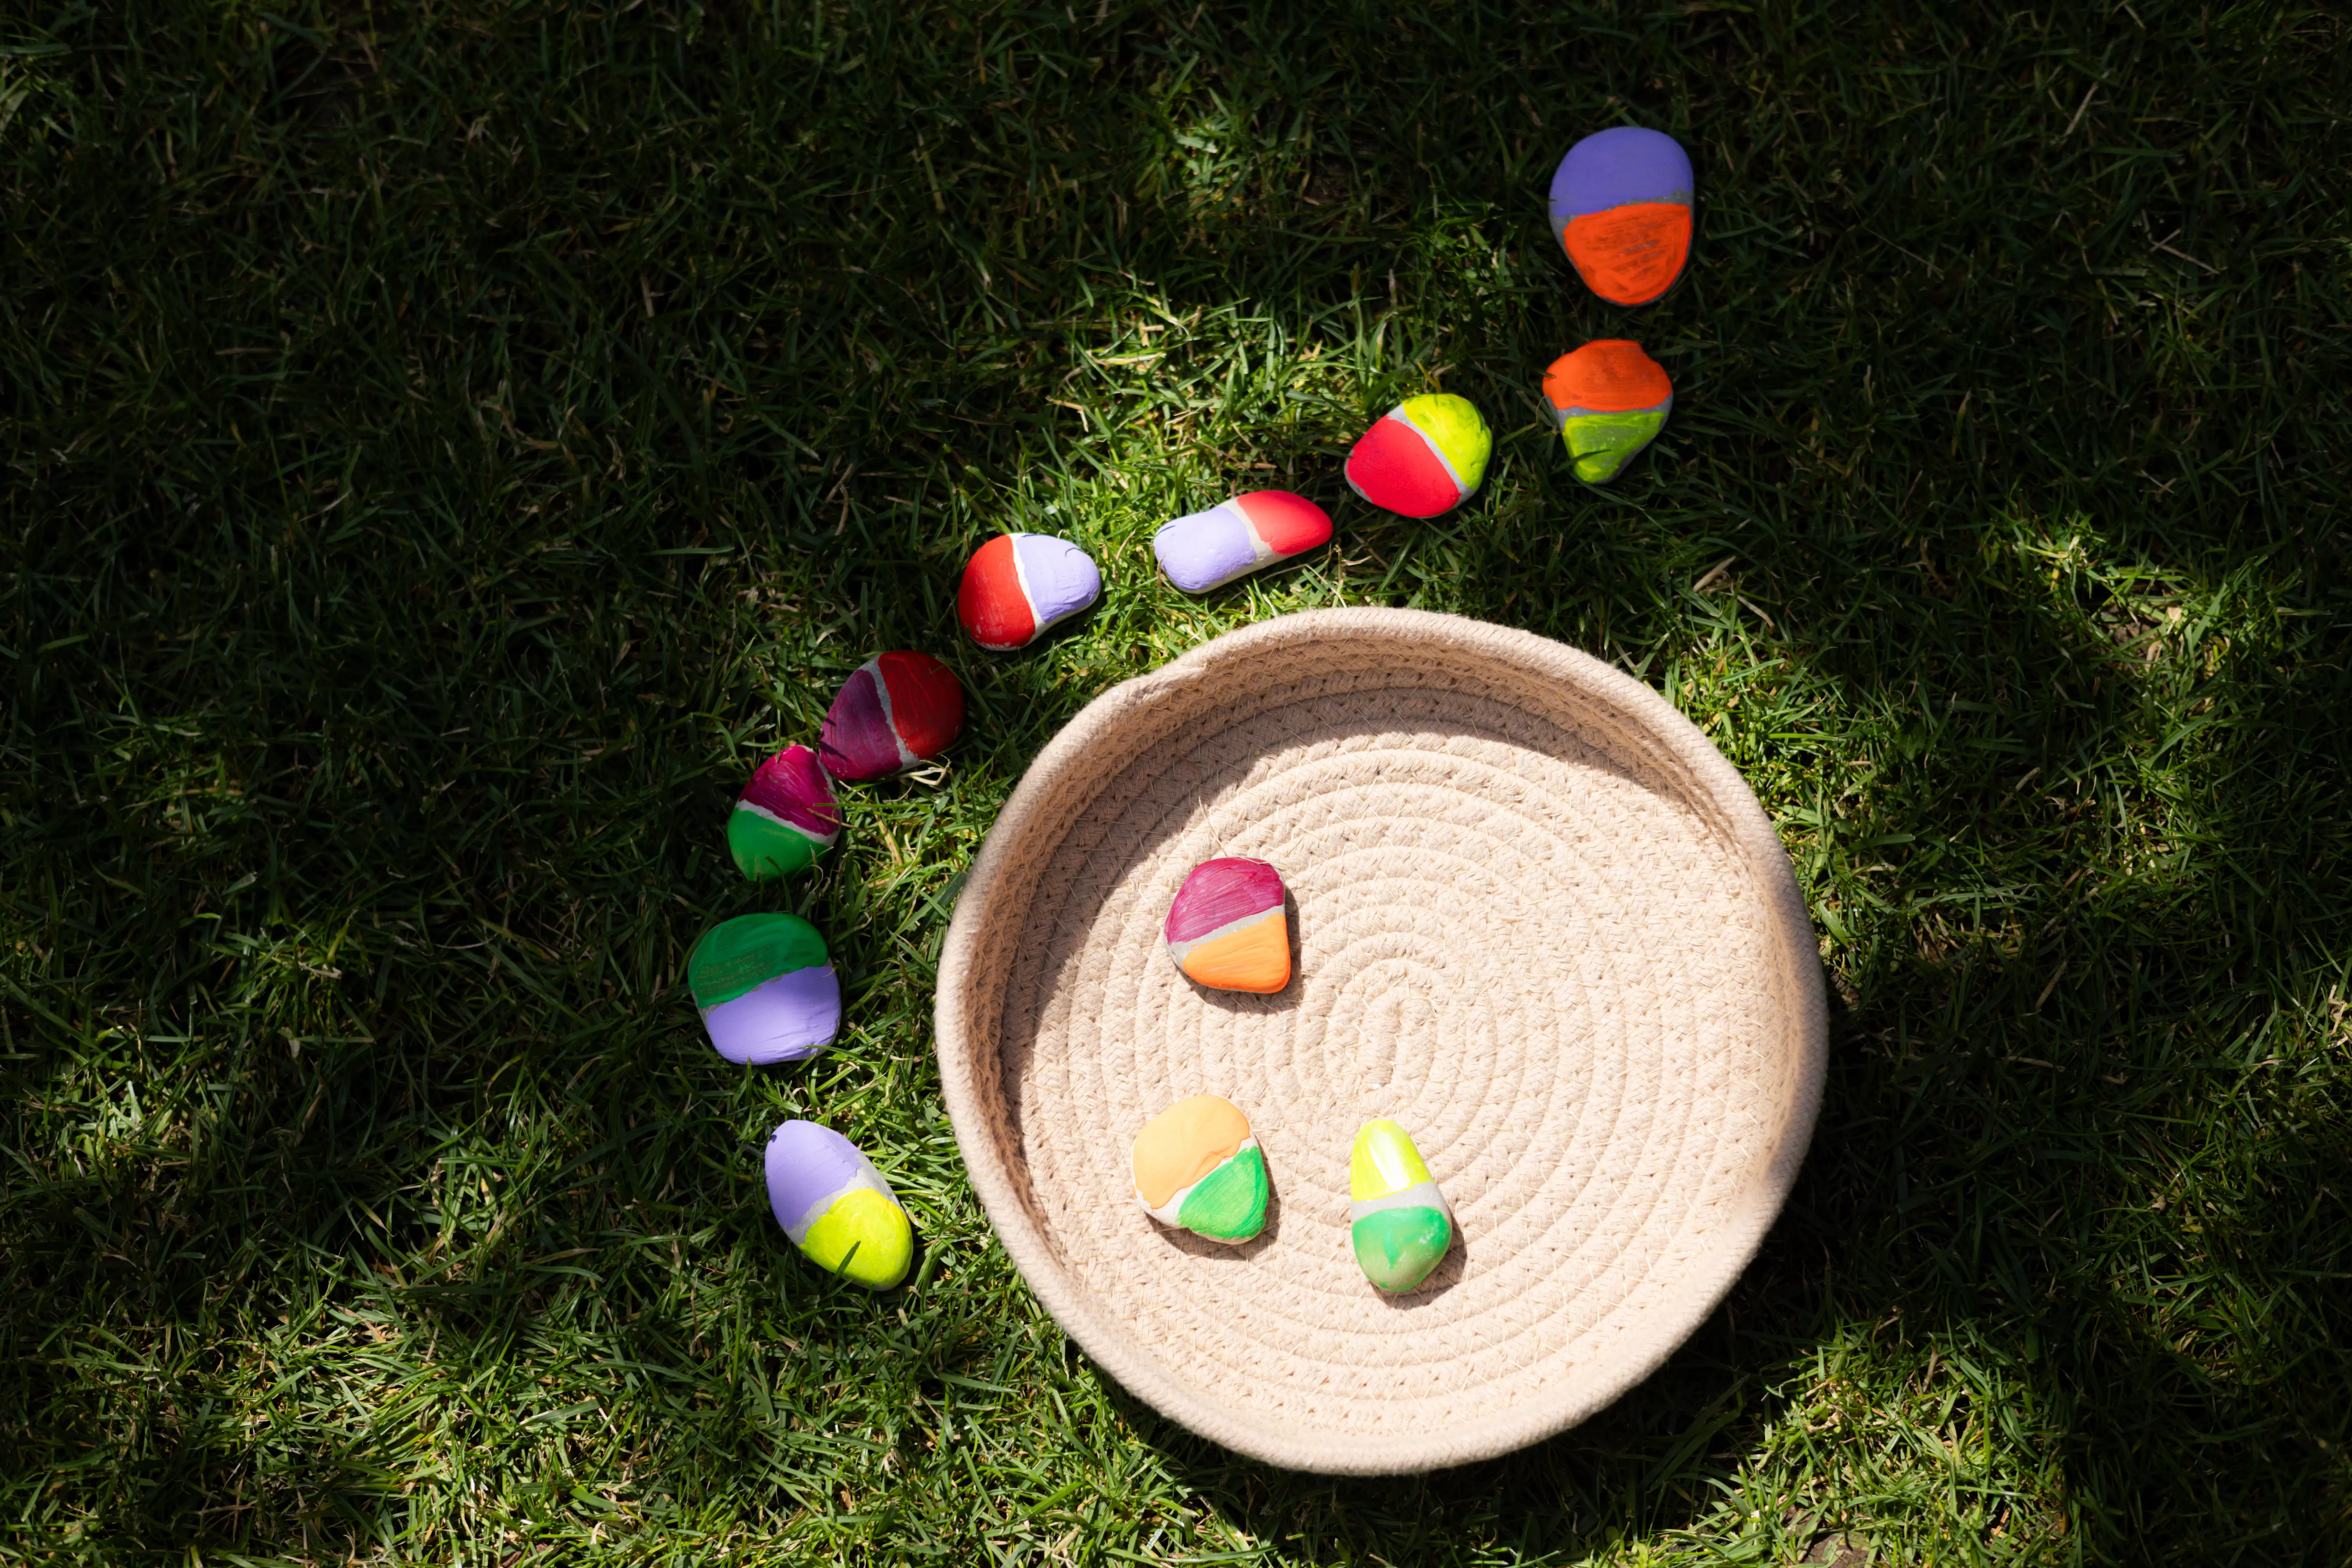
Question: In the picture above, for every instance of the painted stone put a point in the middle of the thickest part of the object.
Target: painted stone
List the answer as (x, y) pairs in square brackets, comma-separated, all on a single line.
[(1197, 1168), (1620, 203), (898, 711), (836, 1207), (1226, 928), (1398, 1219), (1611, 399), (784, 818), (1233, 539), (766, 989), (1019, 586), (1425, 456)]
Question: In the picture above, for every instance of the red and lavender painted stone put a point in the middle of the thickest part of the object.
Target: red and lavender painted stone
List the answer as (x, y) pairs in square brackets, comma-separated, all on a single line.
[(898, 711), (1210, 549), (784, 818), (1019, 586), (1226, 929), (766, 988)]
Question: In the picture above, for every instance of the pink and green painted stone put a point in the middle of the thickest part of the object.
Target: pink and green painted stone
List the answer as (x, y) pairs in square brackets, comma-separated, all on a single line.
[(785, 818)]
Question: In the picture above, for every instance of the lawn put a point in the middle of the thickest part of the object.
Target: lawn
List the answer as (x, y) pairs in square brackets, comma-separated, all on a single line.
[(447, 445)]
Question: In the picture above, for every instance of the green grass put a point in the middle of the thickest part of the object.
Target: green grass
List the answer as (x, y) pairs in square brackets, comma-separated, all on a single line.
[(446, 445)]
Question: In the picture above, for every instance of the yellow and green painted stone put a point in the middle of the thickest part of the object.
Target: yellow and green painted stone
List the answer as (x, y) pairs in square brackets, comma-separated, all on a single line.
[(1399, 1220)]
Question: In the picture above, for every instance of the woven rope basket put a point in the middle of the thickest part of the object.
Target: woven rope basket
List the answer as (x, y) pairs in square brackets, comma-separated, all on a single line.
[(1539, 921)]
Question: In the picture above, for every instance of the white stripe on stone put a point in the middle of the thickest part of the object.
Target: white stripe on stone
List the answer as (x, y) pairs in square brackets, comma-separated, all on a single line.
[(1180, 950), (762, 811), (907, 759), (1420, 1195)]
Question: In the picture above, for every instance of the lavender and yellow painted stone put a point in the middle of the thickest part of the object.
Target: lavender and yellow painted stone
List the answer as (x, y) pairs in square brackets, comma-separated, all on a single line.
[(766, 988), (836, 1207), (1233, 539), (1399, 1221), (1198, 1167), (784, 818), (1018, 586), (1620, 203), (1226, 929), (898, 711), (1611, 400)]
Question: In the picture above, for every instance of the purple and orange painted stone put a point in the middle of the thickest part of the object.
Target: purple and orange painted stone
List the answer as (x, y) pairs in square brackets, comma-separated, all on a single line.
[(1019, 586), (785, 818), (1226, 929), (897, 711), (1233, 539), (1620, 203)]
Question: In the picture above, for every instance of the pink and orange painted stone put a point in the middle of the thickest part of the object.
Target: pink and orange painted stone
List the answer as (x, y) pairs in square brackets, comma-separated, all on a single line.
[(1226, 929), (896, 711)]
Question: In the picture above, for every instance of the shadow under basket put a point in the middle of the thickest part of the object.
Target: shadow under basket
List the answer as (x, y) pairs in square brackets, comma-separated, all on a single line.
[(1542, 922)]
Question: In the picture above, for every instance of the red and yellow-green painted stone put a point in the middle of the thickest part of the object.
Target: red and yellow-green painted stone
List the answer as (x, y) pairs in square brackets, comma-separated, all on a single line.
[(1620, 203), (1226, 928), (1425, 456), (836, 1207), (1611, 400), (785, 818), (1198, 1168), (1399, 1220), (896, 711)]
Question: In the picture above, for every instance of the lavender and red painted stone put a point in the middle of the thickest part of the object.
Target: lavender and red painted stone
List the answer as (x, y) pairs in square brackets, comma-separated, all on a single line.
[(836, 1206), (897, 711), (1620, 203), (1019, 586), (766, 988), (784, 818), (1226, 929), (1233, 539)]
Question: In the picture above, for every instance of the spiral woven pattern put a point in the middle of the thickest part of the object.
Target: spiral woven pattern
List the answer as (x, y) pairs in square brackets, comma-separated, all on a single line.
[(1539, 921)]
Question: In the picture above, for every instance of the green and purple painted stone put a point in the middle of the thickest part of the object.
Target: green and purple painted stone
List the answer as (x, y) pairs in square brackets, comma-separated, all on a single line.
[(766, 988)]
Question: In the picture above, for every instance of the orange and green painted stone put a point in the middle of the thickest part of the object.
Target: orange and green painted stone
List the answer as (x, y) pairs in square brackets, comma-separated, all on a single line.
[(1198, 1168), (1226, 929), (1620, 203), (1397, 1218), (1611, 400)]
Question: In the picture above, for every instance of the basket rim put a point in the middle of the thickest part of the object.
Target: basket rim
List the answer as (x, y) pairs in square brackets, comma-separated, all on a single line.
[(1076, 1308)]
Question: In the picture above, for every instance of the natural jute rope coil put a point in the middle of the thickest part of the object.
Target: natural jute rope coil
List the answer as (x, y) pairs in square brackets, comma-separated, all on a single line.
[(1540, 921)]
